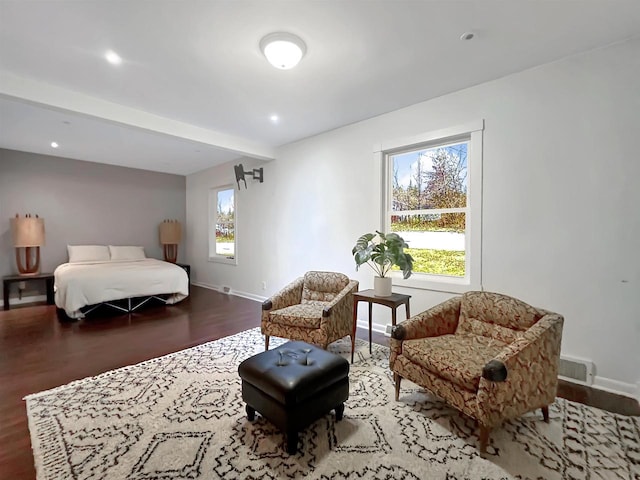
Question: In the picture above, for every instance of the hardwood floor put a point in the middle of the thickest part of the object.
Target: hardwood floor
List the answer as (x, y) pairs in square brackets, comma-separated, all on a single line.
[(37, 352)]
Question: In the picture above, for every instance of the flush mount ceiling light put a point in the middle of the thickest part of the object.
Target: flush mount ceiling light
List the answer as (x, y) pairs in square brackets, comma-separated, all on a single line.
[(283, 50)]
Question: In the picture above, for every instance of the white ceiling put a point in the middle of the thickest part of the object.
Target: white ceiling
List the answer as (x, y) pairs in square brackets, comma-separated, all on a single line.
[(194, 90)]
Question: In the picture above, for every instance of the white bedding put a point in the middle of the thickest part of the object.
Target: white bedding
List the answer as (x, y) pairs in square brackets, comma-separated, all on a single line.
[(88, 283)]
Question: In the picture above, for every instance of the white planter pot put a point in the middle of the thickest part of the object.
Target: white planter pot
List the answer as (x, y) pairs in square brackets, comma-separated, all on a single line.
[(382, 286)]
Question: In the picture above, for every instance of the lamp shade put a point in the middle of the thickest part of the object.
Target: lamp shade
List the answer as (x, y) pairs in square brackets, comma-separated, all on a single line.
[(170, 232), (27, 231)]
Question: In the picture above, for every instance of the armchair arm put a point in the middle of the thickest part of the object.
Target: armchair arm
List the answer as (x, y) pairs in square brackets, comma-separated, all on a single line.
[(495, 370), (530, 366), (439, 320), (289, 295), (342, 297), (341, 308)]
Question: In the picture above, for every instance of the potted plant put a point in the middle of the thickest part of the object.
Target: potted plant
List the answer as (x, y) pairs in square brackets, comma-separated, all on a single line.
[(381, 252)]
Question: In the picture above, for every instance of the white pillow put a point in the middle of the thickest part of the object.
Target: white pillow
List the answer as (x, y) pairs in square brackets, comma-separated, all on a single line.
[(88, 253), (126, 253)]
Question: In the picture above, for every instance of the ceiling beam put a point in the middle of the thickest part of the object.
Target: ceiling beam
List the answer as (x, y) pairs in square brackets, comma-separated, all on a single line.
[(56, 98)]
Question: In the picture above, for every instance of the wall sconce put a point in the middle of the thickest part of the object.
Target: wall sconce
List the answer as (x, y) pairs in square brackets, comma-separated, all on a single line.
[(170, 237), (28, 236), (256, 173)]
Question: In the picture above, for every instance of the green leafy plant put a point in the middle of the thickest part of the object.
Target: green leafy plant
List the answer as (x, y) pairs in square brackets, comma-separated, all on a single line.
[(381, 252)]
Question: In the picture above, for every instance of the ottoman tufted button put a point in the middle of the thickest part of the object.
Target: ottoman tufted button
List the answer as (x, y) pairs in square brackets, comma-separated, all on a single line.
[(281, 361)]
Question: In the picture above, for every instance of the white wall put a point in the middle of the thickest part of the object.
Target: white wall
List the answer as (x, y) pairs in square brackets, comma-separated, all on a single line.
[(246, 277), (561, 226)]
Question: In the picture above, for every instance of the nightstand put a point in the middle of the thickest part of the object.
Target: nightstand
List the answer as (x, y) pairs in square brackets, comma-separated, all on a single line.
[(9, 279)]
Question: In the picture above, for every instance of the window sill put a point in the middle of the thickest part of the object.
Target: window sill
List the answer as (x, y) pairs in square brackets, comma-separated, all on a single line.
[(435, 283), (224, 260)]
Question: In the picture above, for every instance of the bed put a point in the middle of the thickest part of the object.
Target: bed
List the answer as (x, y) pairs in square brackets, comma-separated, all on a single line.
[(100, 274)]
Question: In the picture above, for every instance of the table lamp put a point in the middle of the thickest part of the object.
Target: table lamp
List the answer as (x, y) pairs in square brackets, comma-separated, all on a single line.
[(28, 236), (170, 236)]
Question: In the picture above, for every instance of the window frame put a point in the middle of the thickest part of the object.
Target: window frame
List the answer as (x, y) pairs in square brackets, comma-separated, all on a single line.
[(213, 220), (471, 132)]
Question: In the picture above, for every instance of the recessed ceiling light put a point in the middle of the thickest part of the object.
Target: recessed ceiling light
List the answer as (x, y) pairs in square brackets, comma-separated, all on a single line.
[(112, 57), (283, 50), (54, 144), (274, 118), (467, 36)]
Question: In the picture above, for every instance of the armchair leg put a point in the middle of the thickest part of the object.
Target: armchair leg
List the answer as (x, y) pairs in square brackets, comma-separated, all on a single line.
[(484, 438), (545, 413), (266, 343), (397, 379)]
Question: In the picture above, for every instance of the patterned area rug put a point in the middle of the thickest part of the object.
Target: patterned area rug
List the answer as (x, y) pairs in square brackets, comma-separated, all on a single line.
[(182, 417)]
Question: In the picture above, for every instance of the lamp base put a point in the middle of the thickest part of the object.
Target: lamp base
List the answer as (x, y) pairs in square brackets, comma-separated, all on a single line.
[(31, 264), (170, 252)]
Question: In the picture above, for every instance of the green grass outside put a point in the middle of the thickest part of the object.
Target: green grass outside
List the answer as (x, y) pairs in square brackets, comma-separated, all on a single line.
[(422, 227), (437, 262)]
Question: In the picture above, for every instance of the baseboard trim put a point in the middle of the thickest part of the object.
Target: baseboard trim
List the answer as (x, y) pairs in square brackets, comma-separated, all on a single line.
[(23, 300), (249, 296), (364, 324), (616, 386), (237, 293)]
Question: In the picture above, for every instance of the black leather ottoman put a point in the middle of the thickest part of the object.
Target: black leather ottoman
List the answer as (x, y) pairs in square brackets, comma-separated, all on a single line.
[(293, 385)]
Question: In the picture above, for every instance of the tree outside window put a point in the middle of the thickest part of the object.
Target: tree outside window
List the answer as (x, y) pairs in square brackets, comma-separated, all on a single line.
[(222, 225), (429, 206), (225, 224)]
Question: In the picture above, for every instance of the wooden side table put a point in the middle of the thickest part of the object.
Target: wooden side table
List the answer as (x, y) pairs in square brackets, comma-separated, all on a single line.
[(9, 279), (393, 301)]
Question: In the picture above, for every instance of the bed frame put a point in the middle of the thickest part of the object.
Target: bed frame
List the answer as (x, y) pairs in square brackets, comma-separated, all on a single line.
[(132, 304)]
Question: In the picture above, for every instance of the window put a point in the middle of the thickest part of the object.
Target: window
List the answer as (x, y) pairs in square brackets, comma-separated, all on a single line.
[(222, 225), (432, 198)]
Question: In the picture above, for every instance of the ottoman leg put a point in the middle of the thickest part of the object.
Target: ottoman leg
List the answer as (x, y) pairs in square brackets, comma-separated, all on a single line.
[(251, 413), (339, 412), (292, 442)]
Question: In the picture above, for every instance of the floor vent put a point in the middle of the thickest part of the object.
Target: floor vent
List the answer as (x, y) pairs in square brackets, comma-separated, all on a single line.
[(576, 370)]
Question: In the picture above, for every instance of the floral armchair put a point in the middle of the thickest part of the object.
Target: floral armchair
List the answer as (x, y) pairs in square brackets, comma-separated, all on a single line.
[(491, 356), (316, 308)]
